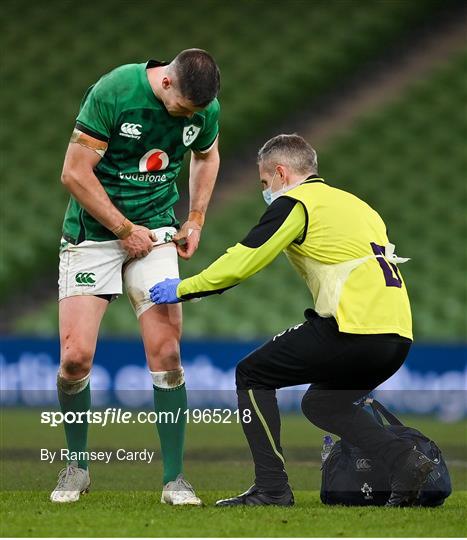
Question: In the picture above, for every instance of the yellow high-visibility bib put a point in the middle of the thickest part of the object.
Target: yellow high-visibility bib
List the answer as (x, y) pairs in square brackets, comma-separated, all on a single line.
[(348, 263)]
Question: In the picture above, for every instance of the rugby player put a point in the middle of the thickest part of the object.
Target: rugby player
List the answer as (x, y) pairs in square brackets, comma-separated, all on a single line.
[(133, 129), (357, 336)]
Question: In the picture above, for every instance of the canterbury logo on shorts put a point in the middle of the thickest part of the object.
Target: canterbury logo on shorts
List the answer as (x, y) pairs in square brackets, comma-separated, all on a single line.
[(85, 278), (133, 131)]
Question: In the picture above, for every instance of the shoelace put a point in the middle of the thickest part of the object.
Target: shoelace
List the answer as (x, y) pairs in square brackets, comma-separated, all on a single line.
[(185, 484), (65, 475)]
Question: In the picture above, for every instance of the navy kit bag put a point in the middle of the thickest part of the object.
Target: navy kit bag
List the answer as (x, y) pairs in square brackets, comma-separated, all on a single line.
[(350, 478)]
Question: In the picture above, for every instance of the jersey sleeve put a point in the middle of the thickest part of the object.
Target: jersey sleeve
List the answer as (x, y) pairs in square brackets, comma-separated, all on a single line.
[(283, 223), (210, 131), (97, 112)]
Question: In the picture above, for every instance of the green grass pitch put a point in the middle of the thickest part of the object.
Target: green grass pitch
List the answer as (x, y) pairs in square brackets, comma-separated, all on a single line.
[(124, 497)]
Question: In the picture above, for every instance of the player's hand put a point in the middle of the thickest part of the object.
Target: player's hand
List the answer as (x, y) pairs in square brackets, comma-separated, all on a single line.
[(139, 242), (165, 292), (187, 239)]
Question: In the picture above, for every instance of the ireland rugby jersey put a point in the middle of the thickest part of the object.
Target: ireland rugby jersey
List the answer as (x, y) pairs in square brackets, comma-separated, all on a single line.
[(145, 150)]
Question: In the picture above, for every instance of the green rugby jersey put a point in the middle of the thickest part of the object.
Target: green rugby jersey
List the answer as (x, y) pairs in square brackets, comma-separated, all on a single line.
[(145, 150)]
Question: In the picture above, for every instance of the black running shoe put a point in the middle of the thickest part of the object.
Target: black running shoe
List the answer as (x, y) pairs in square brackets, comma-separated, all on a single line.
[(410, 473), (258, 497)]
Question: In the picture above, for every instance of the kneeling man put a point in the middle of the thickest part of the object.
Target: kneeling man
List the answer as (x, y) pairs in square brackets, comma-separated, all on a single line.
[(357, 336)]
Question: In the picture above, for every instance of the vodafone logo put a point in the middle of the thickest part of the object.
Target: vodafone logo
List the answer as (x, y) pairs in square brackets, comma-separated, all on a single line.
[(154, 160)]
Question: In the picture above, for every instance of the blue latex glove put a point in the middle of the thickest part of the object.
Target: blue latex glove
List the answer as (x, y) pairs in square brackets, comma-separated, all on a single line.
[(165, 292)]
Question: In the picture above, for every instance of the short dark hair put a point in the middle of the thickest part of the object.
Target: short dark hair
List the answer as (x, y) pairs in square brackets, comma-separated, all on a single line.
[(197, 76), (291, 149)]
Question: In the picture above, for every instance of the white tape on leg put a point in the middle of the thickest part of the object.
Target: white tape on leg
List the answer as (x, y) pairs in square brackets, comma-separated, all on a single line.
[(168, 379), (72, 387)]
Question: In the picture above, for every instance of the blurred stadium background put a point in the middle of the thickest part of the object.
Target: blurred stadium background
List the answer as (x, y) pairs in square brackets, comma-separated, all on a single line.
[(378, 87)]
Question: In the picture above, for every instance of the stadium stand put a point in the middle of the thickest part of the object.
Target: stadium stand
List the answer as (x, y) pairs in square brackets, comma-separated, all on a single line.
[(41, 98), (387, 168), (408, 160)]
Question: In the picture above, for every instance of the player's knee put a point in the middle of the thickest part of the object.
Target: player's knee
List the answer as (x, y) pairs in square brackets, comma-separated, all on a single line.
[(76, 361), (164, 356)]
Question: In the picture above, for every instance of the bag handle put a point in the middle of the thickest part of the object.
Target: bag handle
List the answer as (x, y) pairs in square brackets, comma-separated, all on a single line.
[(380, 410)]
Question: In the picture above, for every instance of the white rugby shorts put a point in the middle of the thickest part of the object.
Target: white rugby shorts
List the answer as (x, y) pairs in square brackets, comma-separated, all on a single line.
[(96, 268)]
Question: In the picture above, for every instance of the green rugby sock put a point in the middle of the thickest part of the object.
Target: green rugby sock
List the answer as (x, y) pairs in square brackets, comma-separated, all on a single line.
[(171, 433), (72, 400)]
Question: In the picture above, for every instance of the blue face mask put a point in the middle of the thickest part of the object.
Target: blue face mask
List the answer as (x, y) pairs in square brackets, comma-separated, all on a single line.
[(268, 195)]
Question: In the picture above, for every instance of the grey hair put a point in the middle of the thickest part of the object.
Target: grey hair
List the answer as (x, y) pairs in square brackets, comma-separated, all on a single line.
[(289, 149)]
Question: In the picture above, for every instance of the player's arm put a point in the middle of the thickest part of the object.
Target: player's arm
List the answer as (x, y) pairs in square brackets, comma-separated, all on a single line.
[(204, 167), (83, 154), (284, 222)]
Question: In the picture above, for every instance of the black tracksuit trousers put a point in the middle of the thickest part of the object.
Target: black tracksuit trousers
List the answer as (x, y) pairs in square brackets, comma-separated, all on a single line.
[(342, 368)]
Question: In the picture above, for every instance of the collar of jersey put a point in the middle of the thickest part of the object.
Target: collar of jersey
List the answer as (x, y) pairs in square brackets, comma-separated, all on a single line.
[(313, 178), (156, 63), (151, 64)]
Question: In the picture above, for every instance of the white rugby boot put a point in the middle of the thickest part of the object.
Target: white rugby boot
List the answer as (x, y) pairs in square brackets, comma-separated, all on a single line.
[(179, 492), (72, 481)]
